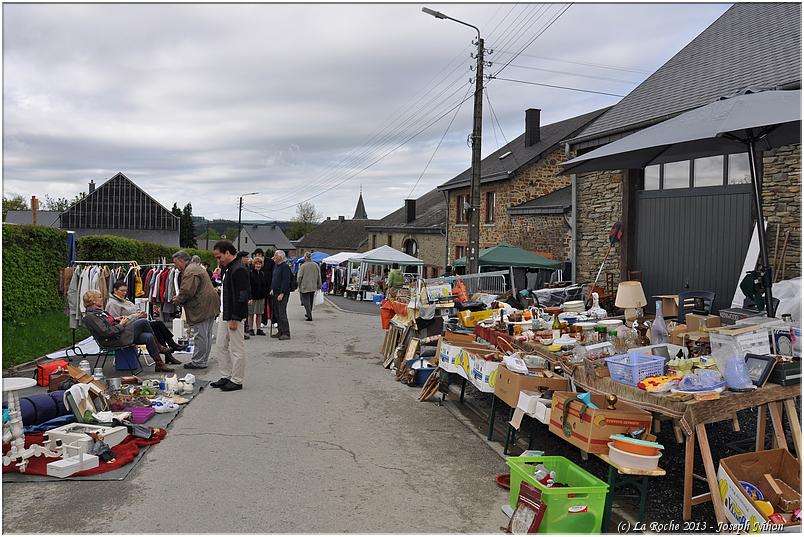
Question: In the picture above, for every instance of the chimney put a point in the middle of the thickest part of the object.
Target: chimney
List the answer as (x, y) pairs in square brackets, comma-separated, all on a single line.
[(532, 127), (34, 209), (341, 218), (328, 218), (410, 211), (91, 186)]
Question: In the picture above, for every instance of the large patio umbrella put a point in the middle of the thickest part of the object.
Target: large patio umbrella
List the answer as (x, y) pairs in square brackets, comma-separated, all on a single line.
[(749, 122), (506, 255)]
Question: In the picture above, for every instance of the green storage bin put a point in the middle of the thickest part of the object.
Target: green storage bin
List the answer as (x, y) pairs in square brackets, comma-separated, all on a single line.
[(562, 515)]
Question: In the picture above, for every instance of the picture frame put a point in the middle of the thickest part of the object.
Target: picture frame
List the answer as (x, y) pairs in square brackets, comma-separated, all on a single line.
[(759, 368)]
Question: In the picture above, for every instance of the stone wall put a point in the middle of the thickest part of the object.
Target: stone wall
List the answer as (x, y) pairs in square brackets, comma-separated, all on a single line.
[(599, 198), (781, 203), (430, 248), (537, 179), (548, 235)]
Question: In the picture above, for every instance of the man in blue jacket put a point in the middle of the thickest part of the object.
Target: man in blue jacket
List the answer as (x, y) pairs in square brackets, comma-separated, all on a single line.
[(235, 294), (280, 289)]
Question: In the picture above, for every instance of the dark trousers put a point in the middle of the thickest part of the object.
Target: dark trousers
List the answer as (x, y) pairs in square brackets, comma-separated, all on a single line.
[(281, 314), (162, 333), (144, 335), (307, 302)]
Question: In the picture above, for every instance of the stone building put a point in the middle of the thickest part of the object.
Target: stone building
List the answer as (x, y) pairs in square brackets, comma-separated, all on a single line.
[(339, 235), (688, 224), (268, 237), (519, 203), (418, 229)]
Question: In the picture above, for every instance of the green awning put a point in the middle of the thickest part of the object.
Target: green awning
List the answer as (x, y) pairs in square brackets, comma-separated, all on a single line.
[(506, 255)]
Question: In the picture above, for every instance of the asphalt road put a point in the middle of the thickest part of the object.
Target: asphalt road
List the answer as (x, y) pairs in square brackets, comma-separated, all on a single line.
[(355, 306), (322, 439)]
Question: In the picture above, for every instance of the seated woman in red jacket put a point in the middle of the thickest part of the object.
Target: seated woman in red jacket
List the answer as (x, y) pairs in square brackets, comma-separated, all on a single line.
[(121, 331)]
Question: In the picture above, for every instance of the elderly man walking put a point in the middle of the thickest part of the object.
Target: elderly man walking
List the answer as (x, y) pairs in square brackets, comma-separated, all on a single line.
[(280, 289), (309, 278), (200, 302), (235, 294)]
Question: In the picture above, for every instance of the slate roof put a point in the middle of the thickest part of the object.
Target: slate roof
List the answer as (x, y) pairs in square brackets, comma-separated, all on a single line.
[(268, 234), (431, 216), (338, 235), (556, 202), (43, 218), (751, 44), (495, 169), (360, 210)]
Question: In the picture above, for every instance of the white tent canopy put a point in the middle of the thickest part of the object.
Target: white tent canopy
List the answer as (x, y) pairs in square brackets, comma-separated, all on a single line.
[(339, 258), (385, 255)]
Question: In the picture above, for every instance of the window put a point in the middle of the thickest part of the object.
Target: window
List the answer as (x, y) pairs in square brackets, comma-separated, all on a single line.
[(374, 241), (390, 237), (491, 197), (652, 177), (739, 171), (708, 171), (460, 208), (411, 248), (676, 175), (460, 251)]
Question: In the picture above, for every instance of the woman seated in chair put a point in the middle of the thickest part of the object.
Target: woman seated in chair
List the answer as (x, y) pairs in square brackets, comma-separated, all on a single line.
[(120, 306), (119, 332)]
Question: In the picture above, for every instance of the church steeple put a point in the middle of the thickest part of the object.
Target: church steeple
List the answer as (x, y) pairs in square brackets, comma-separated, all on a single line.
[(360, 210)]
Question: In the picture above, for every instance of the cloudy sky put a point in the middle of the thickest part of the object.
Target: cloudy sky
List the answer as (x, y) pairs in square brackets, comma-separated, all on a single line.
[(203, 103)]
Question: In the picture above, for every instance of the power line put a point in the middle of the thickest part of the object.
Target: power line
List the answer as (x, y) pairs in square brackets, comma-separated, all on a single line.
[(493, 128), (585, 64), (554, 86), (507, 143), (439, 144), (597, 77)]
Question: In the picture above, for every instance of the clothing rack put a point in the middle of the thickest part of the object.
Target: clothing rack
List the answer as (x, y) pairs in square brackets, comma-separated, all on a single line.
[(106, 263)]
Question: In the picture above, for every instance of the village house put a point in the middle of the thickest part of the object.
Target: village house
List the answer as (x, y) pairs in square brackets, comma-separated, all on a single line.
[(268, 237), (418, 229), (523, 199), (339, 235), (688, 224)]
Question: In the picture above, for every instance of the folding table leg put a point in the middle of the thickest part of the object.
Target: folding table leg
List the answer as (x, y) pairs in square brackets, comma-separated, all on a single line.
[(463, 389), (604, 528), (689, 461), (711, 475), (776, 419), (795, 425), (492, 412), (760, 441)]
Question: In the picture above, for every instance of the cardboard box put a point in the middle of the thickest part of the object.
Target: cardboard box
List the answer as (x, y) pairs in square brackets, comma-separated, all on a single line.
[(510, 384), (696, 321), (730, 316), (677, 335), (669, 306), (532, 404), (591, 433), (455, 337), (752, 467), (470, 318), (749, 339), (71, 465)]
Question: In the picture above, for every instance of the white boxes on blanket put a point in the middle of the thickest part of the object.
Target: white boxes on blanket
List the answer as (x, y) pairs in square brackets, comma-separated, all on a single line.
[(75, 434), (71, 465)]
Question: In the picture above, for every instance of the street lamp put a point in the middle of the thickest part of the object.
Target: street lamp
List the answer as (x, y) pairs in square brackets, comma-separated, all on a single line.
[(477, 124), (239, 217)]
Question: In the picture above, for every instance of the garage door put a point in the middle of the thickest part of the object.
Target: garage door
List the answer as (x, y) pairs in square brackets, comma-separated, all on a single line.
[(692, 239)]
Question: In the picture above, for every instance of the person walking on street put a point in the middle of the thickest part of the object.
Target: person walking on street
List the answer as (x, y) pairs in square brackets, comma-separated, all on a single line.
[(242, 256), (235, 294), (200, 302), (259, 290), (309, 278), (280, 289)]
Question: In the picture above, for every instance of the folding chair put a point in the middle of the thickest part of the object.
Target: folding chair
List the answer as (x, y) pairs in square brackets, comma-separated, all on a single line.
[(126, 358)]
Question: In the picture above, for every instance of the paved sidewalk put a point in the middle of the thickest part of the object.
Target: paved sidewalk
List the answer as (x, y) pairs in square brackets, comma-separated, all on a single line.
[(355, 306), (321, 440)]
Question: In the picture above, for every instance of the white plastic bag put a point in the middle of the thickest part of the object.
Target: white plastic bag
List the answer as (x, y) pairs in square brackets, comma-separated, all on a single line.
[(318, 299)]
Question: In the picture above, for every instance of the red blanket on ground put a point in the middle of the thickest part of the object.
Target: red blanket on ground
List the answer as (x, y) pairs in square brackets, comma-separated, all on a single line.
[(124, 453)]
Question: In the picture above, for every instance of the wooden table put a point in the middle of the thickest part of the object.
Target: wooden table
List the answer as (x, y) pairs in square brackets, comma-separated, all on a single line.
[(695, 415), (630, 476)]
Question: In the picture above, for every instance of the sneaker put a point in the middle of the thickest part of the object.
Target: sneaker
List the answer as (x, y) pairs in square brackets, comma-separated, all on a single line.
[(231, 386), (169, 359), (246, 336), (275, 335), (218, 383), (260, 332), (251, 332), (284, 337)]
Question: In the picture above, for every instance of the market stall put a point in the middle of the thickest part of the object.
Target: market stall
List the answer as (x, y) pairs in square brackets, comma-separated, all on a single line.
[(381, 257), (337, 274), (513, 258)]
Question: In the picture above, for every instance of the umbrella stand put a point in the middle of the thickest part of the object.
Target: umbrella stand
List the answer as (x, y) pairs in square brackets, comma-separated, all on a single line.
[(765, 270)]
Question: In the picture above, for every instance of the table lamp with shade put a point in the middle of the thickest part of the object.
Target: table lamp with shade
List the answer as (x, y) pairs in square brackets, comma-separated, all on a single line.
[(631, 298)]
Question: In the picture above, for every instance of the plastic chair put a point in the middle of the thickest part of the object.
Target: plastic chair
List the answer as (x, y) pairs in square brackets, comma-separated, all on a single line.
[(125, 358), (686, 302)]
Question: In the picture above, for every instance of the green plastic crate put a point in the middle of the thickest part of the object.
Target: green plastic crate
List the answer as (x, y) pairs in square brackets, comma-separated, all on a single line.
[(584, 490)]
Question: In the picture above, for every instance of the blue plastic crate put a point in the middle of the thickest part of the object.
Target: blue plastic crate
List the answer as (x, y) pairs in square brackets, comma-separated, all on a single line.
[(633, 367)]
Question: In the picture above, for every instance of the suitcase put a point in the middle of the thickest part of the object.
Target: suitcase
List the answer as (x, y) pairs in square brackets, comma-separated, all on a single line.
[(44, 370)]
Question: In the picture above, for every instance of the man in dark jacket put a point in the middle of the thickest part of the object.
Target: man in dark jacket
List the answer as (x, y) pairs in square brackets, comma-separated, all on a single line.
[(235, 294), (280, 289)]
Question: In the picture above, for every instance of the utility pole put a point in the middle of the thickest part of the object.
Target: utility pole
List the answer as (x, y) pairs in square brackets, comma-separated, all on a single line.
[(207, 234), (473, 255), (239, 217)]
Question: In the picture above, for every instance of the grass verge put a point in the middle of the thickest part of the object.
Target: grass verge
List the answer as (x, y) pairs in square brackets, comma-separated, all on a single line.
[(42, 334)]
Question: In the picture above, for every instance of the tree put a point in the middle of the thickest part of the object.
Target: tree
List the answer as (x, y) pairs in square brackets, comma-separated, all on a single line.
[(307, 217), (175, 210), (230, 233), (14, 203), (61, 204), (187, 234)]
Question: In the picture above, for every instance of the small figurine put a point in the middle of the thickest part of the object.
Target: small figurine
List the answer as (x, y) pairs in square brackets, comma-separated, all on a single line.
[(101, 449), (611, 400)]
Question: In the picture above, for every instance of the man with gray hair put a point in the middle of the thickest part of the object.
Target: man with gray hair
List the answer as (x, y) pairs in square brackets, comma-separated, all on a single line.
[(280, 289), (200, 302), (309, 278)]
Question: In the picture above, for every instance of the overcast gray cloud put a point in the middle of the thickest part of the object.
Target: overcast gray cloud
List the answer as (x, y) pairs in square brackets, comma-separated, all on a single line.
[(201, 103)]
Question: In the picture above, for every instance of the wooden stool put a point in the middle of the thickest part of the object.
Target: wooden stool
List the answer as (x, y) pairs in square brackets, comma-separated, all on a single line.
[(621, 476)]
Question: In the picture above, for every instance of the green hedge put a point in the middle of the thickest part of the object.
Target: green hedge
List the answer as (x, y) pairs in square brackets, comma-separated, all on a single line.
[(32, 256), (111, 248)]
